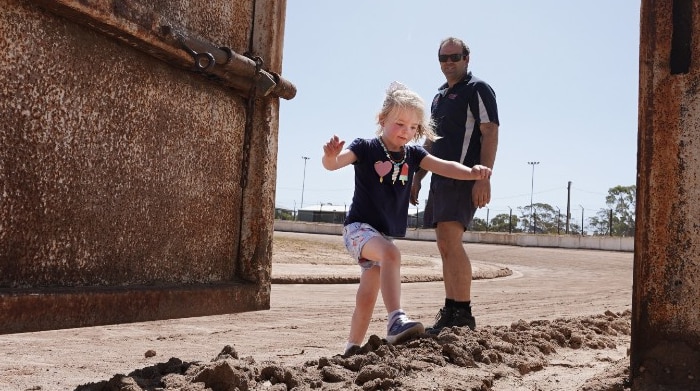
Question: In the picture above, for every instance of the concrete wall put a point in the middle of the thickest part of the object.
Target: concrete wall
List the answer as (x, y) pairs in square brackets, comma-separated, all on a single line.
[(524, 240)]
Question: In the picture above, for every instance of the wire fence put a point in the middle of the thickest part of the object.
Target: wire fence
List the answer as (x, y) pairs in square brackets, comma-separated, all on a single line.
[(546, 222)]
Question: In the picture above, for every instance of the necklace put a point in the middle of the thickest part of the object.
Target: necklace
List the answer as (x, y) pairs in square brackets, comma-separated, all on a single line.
[(396, 163)]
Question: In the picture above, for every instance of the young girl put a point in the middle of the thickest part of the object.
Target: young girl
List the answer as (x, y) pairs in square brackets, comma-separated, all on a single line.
[(384, 168)]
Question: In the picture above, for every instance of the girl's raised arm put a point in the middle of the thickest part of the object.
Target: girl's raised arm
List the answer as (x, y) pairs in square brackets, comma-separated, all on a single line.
[(334, 156)]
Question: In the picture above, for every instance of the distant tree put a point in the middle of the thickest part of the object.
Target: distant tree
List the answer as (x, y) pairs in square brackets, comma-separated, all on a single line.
[(574, 229), (478, 225), (600, 223), (500, 223), (283, 214), (524, 220), (621, 202), (544, 219)]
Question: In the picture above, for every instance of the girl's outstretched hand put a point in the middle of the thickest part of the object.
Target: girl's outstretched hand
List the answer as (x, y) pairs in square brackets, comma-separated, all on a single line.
[(333, 147), (482, 172), (333, 152)]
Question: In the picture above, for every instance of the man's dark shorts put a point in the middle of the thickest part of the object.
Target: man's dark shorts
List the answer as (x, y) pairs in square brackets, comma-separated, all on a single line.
[(449, 200)]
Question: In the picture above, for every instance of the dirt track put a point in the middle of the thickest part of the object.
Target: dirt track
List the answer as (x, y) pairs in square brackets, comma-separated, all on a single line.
[(307, 325)]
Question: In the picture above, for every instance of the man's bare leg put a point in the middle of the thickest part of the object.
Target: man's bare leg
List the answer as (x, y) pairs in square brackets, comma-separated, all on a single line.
[(456, 266), (457, 277)]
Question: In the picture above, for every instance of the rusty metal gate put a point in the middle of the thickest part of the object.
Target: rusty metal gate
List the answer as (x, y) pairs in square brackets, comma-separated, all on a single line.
[(138, 149), (665, 345)]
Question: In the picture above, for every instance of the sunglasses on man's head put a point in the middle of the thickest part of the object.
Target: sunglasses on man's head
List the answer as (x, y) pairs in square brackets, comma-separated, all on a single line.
[(452, 57)]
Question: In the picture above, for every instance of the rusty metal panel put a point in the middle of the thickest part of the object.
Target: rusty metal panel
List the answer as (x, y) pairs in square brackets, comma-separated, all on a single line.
[(122, 178), (58, 308), (665, 350)]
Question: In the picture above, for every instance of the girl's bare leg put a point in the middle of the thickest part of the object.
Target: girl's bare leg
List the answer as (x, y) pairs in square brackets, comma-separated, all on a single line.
[(388, 256), (365, 300)]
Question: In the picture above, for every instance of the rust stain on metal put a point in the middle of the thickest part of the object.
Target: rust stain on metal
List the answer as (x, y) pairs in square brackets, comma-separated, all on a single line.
[(258, 210), (25, 312)]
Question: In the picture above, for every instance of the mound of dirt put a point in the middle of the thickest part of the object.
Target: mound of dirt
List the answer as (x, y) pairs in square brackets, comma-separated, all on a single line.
[(491, 357)]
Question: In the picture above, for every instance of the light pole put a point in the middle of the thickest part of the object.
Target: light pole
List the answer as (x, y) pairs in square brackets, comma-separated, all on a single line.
[(532, 190), (510, 220), (303, 181), (487, 219), (581, 218)]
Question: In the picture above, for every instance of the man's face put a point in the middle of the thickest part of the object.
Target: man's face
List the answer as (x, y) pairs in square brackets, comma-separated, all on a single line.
[(453, 71)]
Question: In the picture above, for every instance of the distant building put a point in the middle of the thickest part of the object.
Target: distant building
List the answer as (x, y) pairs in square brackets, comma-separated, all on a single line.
[(323, 213), (335, 214)]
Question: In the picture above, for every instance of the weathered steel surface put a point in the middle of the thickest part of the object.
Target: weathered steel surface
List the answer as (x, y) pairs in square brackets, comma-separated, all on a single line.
[(665, 352), (150, 27), (258, 210), (120, 171)]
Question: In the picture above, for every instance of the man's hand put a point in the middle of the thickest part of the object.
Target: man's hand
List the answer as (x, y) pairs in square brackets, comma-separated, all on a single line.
[(482, 172), (415, 189), (481, 192), (415, 185)]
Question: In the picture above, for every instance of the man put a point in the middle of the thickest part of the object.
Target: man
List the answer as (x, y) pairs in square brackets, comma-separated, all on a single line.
[(466, 118)]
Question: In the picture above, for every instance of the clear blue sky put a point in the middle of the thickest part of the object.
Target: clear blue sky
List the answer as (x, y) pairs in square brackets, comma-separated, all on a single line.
[(565, 75)]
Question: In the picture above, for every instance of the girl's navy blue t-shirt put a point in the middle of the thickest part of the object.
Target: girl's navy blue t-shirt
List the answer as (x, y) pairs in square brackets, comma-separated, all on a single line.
[(379, 200)]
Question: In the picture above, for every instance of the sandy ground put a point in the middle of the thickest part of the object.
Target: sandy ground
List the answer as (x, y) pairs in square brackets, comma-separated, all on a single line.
[(547, 319)]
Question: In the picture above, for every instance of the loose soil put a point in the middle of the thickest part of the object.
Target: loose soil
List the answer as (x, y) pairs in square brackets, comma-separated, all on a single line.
[(547, 319)]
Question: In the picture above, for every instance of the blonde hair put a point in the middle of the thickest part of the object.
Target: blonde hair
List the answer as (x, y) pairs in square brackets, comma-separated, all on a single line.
[(398, 96)]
